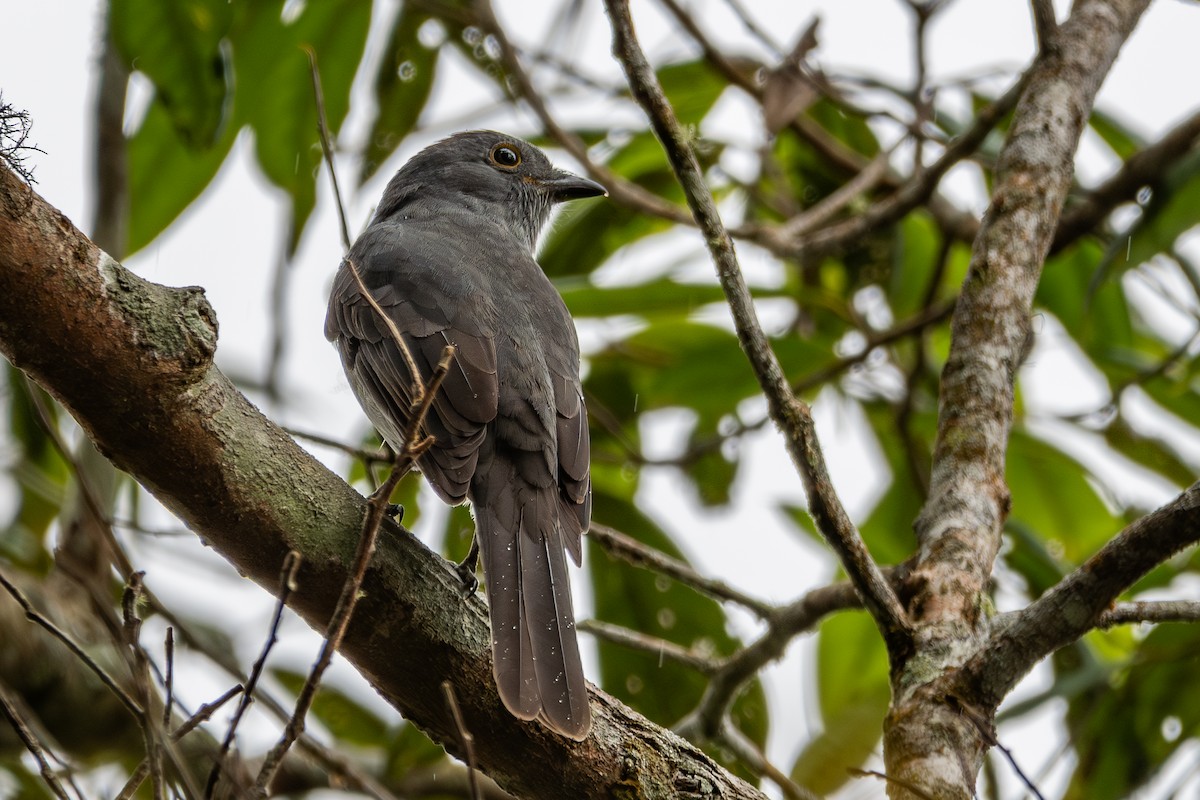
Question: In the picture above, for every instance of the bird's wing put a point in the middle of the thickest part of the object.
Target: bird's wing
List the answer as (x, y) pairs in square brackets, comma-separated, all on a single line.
[(574, 458), (428, 316)]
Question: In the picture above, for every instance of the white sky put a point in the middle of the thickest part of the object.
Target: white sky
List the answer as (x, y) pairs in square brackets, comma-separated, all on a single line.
[(230, 243)]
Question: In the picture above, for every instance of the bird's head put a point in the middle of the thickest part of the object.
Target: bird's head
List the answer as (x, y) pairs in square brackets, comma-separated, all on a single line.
[(500, 176)]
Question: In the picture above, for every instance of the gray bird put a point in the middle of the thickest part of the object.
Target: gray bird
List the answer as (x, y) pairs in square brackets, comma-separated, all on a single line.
[(448, 256)]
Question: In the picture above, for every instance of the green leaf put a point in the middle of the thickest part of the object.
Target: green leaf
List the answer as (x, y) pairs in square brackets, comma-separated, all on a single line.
[(407, 750), (1151, 452), (1123, 141), (663, 297), (40, 473), (915, 253), (640, 600), (1052, 497), (177, 45), (348, 720), (1124, 734), (692, 88), (1171, 212), (853, 691), (275, 92), (1093, 311), (166, 174), (402, 84), (698, 366)]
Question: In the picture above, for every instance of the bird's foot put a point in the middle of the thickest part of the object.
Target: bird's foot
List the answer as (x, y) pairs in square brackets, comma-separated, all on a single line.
[(466, 570), (466, 574)]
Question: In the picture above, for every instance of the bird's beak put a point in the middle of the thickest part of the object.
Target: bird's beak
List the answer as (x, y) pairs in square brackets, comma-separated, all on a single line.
[(563, 185)]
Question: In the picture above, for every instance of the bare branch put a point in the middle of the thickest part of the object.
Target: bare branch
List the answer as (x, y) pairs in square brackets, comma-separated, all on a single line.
[(730, 675), (287, 585), (790, 414), (634, 552), (959, 527), (752, 757), (326, 143), (465, 738), (1154, 611), (1078, 602), (1045, 24), (635, 640), (9, 708), (58, 633)]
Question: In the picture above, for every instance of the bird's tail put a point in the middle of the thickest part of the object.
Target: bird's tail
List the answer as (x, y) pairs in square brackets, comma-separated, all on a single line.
[(535, 655)]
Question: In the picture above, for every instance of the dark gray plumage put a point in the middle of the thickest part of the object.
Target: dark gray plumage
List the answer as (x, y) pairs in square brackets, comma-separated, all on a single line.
[(449, 258)]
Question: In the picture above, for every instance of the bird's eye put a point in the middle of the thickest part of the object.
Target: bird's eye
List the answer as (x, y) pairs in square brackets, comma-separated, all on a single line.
[(506, 156)]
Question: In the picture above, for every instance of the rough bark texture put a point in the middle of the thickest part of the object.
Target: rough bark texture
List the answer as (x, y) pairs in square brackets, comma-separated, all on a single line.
[(132, 361), (929, 742)]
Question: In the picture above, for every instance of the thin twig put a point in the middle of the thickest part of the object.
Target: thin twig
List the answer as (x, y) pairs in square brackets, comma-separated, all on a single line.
[(140, 667), (636, 640), (633, 552), (987, 732), (58, 633), (340, 620), (397, 337), (872, 773), (287, 585), (465, 738), (326, 144), (1154, 611), (202, 715), (789, 413), (369, 457), (619, 188), (753, 757), (30, 740), (730, 675), (169, 654), (827, 207)]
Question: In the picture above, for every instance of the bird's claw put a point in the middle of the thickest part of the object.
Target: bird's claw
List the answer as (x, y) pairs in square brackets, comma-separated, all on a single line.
[(466, 570), (466, 574)]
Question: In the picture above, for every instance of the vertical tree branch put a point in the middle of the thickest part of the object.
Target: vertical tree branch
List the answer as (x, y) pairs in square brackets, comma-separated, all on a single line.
[(927, 740), (790, 414)]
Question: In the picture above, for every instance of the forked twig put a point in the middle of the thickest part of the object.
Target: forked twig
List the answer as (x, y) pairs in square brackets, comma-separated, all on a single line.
[(377, 506), (287, 585), (202, 715)]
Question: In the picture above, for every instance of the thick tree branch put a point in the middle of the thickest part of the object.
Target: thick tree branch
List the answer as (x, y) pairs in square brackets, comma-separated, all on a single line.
[(789, 413), (1080, 601), (959, 528), (132, 361), (927, 739)]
